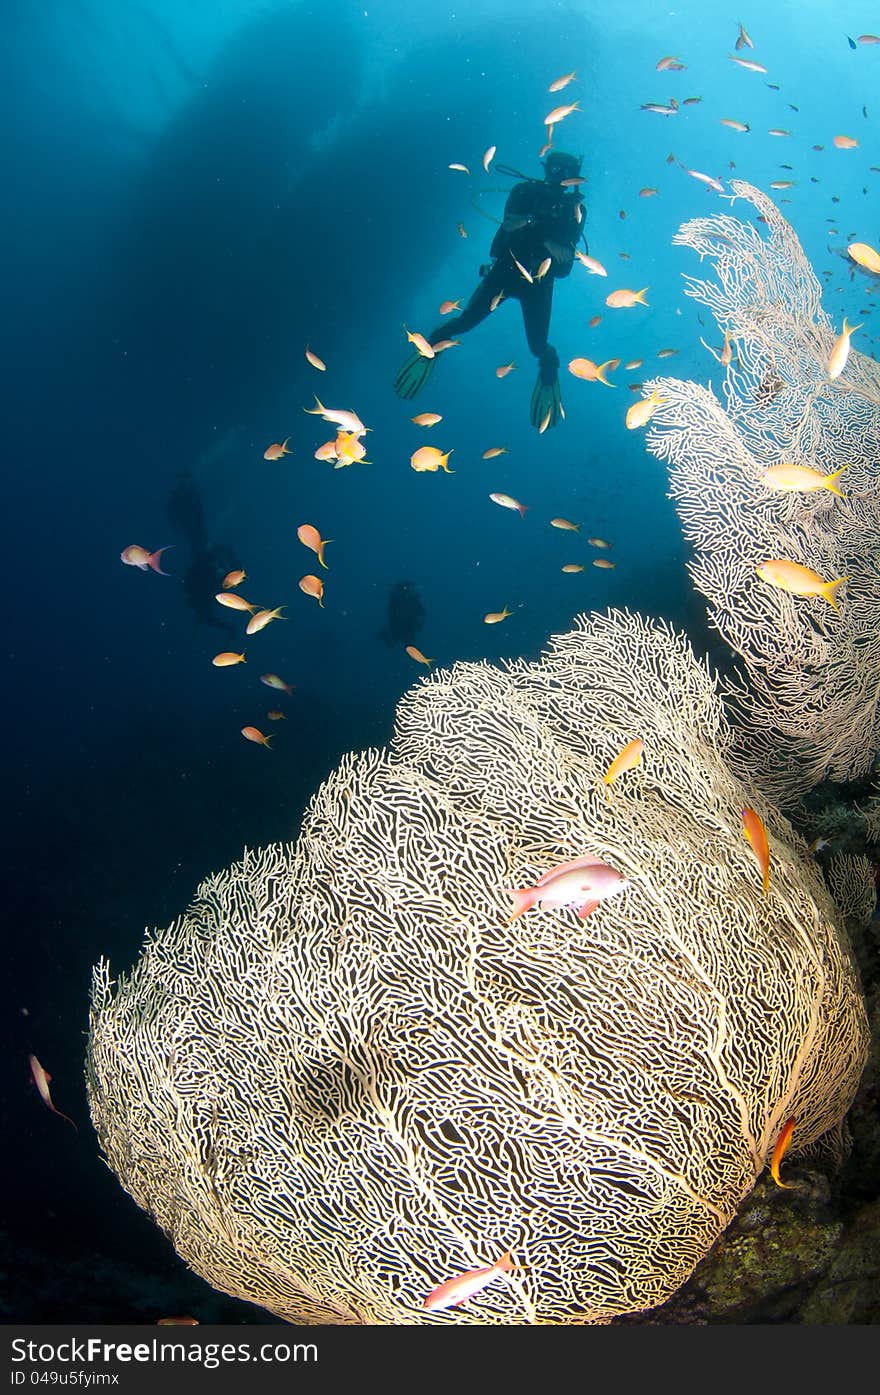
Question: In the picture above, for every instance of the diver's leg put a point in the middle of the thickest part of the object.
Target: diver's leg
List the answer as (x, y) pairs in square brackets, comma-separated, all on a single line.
[(477, 308), (546, 404), (415, 371)]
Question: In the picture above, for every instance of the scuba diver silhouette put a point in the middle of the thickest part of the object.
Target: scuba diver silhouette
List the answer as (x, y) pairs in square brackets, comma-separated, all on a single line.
[(543, 221)]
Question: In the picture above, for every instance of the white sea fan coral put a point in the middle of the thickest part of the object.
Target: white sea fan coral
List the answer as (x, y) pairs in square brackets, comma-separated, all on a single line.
[(343, 1075), (851, 879), (809, 709)]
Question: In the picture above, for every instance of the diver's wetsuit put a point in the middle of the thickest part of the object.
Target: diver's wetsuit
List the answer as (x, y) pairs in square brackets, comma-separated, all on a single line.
[(540, 220)]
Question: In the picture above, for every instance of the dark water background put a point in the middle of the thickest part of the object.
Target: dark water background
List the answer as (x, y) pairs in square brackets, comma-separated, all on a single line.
[(193, 193)]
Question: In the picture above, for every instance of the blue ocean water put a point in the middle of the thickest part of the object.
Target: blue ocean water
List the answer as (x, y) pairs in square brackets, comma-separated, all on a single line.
[(192, 195)]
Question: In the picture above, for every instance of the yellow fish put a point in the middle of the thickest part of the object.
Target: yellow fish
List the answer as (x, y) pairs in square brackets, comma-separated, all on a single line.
[(573, 567), (430, 458), (840, 352), (625, 759), (491, 453), (640, 413), (799, 580), (227, 660), (495, 616), (865, 255), (421, 343), (797, 478)]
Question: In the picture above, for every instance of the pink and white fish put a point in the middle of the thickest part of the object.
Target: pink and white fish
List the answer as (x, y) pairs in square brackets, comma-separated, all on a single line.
[(583, 883), (135, 556), (464, 1286), (41, 1080)]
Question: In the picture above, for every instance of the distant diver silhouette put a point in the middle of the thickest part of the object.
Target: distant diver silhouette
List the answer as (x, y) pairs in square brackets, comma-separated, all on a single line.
[(406, 615)]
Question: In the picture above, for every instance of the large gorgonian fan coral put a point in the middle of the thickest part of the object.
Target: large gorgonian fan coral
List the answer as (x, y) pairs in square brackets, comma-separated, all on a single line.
[(343, 1075), (809, 709)]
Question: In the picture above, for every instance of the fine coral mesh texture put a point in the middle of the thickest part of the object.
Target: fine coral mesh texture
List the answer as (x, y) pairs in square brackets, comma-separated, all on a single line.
[(342, 1076), (808, 709)]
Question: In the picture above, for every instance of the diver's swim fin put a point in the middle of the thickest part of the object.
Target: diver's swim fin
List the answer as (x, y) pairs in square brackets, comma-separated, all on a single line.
[(546, 408), (413, 374)]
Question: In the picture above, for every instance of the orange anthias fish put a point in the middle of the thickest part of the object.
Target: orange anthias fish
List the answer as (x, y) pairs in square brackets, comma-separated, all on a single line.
[(584, 883), (797, 478), (559, 113), (503, 369), (310, 537), (233, 578), (275, 451), (619, 300), (565, 524), (595, 268), (640, 413), (430, 458), (315, 361), (41, 1080), (865, 255), (135, 556), (421, 343), (262, 619), (491, 453), (798, 580), (313, 586), (782, 1141), (756, 833), (840, 352), (624, 760), (496, 616), (447, 306), (558, 83), (427, 418), (591, 372), (234, 602), (227, 660), (417, 654), (254, 734), (455, 1291)]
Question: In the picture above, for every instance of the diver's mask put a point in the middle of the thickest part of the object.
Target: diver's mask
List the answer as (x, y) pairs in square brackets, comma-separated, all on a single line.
[(559, 166)]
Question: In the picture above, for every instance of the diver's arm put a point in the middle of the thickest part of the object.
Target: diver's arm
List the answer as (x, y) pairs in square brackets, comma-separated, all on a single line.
[(563, 240), (517, 214)]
